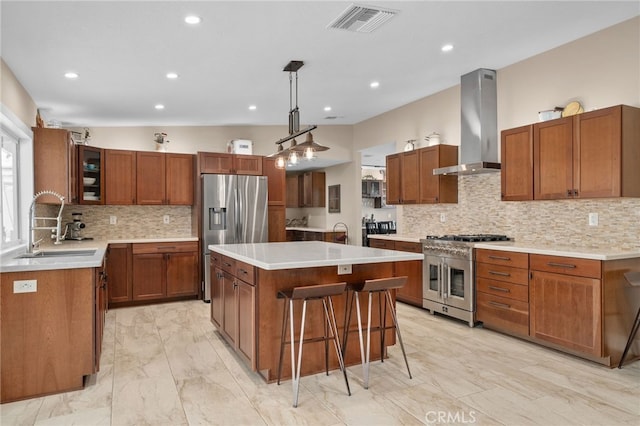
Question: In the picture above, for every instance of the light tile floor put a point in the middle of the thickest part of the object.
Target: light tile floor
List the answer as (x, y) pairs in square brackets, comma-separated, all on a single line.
[(166, 365)]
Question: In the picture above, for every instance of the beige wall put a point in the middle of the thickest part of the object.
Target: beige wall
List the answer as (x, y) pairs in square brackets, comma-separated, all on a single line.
[(14, 97), (600, 70)]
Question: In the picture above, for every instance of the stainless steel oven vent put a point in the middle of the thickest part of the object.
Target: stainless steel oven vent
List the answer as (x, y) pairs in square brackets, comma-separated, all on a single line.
[(479, 125), (362, 19)]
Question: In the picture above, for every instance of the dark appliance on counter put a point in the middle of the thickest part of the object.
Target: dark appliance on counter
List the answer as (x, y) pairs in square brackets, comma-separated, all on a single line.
[(448, 274), (382, 227), (234, 211)]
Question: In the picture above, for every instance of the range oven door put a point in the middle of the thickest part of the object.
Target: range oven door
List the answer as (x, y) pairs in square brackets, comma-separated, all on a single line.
[(457, 283), (433, 279)]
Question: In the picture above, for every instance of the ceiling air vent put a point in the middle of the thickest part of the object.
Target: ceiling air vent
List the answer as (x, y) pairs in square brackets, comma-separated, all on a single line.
[(362, 19)]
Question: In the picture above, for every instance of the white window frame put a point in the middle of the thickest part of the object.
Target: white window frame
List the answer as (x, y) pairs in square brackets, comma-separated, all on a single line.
[(12, 126)]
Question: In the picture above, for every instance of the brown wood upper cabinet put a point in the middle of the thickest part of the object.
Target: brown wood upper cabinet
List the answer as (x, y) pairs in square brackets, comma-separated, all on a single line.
[(589, 155), (165, 178), (55, 159), (410, 178), (91, 175), (120, 176), (437, 188), (306, 190), (229, 164), (517, 164), (276, 199)]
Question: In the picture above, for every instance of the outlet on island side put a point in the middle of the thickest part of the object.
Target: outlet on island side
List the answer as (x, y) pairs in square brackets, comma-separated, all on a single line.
[(344, 269), (25, 286), (593, 219)]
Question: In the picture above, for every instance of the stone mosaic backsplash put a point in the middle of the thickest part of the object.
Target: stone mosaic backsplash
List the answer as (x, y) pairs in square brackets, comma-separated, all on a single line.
[(561, 222), (132, 221)]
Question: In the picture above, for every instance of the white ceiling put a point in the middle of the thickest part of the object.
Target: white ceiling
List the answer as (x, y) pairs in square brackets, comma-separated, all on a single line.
[(234, 58)]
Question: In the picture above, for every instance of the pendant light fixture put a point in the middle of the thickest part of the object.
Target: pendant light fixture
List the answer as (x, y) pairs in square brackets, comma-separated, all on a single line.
[(308, 147)]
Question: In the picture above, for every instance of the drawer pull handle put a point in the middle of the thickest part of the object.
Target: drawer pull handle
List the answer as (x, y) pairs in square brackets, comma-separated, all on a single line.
[(502, 274), (561, 265), (504, 290), (500, 305), (499, 257), (242, 271), (227, 264)]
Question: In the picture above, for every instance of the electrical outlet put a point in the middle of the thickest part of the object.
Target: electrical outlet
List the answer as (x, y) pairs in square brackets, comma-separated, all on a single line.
[(166, 218), (25, 286), (344, 269), (593, 219), (113, 220), (443, 217)]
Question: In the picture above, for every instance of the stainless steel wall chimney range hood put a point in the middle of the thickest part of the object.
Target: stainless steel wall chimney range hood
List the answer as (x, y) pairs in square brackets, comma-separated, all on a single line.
[(479, 121)]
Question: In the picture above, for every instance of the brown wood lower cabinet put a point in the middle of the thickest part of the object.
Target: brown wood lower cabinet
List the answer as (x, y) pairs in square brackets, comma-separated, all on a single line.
[(581, 306), (411, 293), (502, 290), (566, 302), (152, 272), (233, 302), (48, 336)]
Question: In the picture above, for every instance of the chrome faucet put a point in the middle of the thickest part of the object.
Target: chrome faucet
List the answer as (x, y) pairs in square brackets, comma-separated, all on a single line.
[(32, 221)]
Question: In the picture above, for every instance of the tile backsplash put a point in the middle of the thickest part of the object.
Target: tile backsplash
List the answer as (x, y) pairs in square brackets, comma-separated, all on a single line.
[(131, 221), (558, 222)]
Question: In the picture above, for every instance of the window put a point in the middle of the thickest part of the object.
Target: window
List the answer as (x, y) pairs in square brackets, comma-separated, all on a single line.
[(9, 183), (16, 180)]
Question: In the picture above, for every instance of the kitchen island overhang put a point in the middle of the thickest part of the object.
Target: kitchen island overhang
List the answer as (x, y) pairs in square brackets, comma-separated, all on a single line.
[(248, 313)]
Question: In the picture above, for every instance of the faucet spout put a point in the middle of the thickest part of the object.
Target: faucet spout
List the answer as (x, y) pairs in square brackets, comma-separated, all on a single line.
[(32, 220)]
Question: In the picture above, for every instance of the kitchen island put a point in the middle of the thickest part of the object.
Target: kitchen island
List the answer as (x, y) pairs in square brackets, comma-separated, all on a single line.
[(246, 279)]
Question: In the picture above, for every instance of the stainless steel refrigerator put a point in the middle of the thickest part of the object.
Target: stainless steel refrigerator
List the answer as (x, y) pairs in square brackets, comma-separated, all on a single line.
[(234, 210)]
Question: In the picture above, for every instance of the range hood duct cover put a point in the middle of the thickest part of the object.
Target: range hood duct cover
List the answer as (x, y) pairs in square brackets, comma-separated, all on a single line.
[(479, 121)]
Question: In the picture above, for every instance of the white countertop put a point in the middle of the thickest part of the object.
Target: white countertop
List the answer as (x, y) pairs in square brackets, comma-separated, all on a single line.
[(395, 237), (558, 250), (309, 254), (304, 228), (9, 262)]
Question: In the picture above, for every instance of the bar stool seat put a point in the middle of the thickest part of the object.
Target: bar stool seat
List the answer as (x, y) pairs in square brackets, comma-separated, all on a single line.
[(382, 286), (321, 292)]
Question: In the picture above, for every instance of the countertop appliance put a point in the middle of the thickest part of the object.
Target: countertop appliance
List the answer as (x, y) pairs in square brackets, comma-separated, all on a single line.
[(448, 274), (234, 210)]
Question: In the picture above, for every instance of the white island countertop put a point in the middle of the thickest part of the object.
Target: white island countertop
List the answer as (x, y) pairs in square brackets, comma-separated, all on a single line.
[(611, 253), (309, 254)]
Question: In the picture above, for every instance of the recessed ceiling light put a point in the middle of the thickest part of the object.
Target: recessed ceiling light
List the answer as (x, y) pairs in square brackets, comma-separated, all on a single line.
[(327, 108), (71, 75), (447, 48), (159, 106), (374, 85), (192, 19), (172, 75), (252, 107)]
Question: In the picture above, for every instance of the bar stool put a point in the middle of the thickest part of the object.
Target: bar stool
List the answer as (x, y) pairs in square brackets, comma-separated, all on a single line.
[(382, 287), (321, 292), (634, 279)]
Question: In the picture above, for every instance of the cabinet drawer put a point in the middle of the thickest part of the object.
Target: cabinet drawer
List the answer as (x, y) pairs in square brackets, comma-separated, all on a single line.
[(500, 257), (503, 289), (383, 244), (566, 265), (169, 247), (245, 272), (502, 313), (502, 273), (229, 265), (216, 259), (408, 246)]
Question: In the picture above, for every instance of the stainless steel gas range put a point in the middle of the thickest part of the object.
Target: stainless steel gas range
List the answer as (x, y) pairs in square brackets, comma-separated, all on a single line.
[(448, 274)]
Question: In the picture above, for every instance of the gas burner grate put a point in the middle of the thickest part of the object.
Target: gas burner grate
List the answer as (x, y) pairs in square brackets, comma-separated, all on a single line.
[(470, 238)]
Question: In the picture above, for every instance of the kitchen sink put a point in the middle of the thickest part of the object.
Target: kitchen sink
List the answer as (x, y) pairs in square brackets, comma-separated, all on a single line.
[(58, 253)]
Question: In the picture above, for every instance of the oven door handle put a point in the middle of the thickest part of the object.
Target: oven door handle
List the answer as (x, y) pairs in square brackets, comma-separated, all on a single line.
[(440, 279), (445, 281)]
